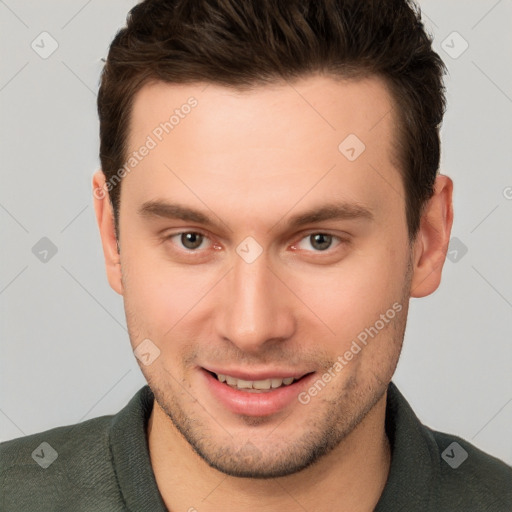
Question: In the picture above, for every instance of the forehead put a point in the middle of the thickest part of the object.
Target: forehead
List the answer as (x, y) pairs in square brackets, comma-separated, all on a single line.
[(267, 144), (322, 103)]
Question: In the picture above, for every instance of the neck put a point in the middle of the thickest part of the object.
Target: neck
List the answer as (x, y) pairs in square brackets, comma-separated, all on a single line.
[(350, 478)]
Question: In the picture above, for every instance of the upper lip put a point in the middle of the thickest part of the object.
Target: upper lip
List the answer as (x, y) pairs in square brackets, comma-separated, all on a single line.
[(257, 375)]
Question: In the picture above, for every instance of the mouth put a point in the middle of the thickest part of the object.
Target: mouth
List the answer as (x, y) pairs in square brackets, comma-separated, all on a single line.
[(256, 386), (262, 395)]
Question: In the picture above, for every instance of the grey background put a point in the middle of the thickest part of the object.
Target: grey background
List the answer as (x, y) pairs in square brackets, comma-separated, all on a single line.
[(65, 353)]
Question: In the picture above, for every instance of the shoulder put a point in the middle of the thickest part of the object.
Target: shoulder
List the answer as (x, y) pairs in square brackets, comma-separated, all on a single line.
[(435, 471), (60, 467), (469, 477), (68, 438)]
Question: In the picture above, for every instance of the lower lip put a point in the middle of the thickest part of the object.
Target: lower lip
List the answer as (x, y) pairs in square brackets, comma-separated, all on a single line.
[(255, 404)]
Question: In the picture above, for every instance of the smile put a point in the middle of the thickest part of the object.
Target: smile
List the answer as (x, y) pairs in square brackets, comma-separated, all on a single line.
[(255, 386), (254, 394)]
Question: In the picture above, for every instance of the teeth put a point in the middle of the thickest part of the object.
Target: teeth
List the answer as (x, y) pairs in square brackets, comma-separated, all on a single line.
[(276, 383), (243, 384), (230, 380), (263, 385)]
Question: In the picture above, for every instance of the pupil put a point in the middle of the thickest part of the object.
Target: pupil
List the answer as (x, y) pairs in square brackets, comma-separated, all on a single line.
[(191, 240), (321, 241)]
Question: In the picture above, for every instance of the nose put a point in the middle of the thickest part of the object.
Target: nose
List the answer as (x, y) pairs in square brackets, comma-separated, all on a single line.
[(255, 308)]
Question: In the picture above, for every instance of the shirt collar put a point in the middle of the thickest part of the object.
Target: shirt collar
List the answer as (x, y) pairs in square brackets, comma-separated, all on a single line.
[(130, 453), (414, 458)]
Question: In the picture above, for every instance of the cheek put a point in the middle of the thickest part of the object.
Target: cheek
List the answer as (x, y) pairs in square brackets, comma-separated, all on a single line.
[(353, 295), (160, 294)]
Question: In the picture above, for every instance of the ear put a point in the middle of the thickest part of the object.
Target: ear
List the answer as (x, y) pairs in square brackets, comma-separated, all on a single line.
[(105, 219), (431, 243)]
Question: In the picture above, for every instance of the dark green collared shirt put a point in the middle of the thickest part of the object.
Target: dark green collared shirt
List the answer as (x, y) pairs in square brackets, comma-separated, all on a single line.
[(103, 465)]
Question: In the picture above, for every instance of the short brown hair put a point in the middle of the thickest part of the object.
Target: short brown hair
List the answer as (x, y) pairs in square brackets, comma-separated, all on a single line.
[(246, 43)]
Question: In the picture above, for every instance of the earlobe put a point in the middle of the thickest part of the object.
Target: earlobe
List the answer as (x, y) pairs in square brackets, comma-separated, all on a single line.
[(431, 244), (105, 220)]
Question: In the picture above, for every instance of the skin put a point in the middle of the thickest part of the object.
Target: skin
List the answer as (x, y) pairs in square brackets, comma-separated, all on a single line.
[(250, 161)]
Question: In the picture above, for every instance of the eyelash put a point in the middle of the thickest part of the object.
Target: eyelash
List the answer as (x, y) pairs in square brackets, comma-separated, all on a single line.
[(329, 250)]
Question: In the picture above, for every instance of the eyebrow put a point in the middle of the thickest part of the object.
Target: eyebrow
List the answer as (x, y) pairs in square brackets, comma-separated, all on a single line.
[(332, 211)]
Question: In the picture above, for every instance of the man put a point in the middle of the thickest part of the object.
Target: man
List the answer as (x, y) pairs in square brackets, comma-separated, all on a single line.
[(269, 200)]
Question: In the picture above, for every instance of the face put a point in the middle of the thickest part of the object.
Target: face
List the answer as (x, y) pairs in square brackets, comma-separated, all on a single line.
[(259, 244)]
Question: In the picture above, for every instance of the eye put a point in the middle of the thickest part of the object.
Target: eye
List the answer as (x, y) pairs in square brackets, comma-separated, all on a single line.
[(319, 241), (190, 240)]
